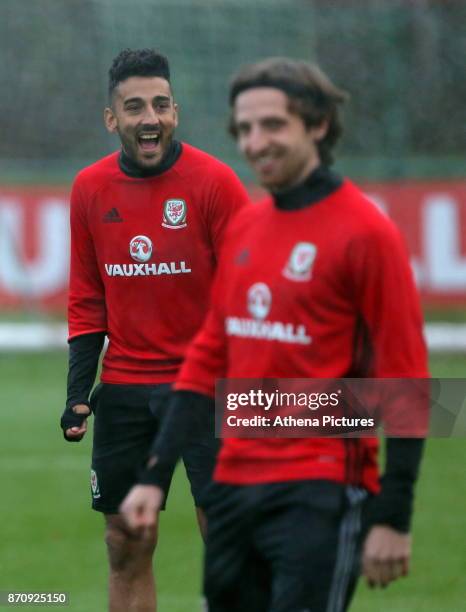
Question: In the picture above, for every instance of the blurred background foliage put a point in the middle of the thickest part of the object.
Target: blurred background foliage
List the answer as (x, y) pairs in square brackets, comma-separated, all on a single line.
[(401, 61)]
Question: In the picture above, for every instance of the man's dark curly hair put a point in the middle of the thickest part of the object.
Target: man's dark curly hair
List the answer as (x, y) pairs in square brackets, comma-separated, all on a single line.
[(137, 62), (310, 92)]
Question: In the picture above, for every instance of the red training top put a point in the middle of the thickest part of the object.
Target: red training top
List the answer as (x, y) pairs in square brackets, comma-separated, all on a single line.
[(143, 254), (325, 291)]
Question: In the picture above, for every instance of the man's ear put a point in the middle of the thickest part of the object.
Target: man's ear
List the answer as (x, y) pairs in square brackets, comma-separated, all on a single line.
[(319, 131), (110, 120)]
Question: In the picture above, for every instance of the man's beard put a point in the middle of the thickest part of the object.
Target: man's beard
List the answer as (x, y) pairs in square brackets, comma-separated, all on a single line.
[(131, 149)]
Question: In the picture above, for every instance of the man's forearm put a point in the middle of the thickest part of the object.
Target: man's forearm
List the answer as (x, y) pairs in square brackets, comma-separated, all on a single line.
[(188, 413), (394, 504), (84, 353)]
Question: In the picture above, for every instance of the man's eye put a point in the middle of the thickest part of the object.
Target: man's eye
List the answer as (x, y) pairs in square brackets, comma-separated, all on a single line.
[(274, 125), (133, 108)]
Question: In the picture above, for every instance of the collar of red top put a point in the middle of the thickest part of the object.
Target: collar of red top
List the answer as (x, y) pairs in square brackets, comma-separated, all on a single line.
[(319, 184), (130, 168)]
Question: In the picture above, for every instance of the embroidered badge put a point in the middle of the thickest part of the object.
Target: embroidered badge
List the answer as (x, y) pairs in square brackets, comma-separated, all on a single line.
[(299, 266), (94, 485), (174, 214)]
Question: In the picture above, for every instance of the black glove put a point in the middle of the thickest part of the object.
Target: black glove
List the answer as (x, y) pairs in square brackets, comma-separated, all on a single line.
[(84, 354), (69, 419)]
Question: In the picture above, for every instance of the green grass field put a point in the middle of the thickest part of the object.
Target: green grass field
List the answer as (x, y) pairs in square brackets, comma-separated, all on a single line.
[(51, 540)]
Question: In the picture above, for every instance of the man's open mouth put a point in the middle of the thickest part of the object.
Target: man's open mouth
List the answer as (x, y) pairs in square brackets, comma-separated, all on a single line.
[(149, 142)]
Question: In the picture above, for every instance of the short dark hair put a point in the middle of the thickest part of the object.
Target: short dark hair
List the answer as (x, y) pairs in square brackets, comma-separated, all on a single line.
[(311, 94), (137, 62)]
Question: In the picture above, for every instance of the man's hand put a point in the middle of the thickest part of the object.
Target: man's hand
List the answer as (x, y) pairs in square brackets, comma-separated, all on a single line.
[(141, 506), (386, 555), (74, 422)]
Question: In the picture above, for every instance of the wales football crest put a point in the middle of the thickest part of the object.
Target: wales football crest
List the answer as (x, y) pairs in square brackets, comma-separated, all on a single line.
[(174, 214), (95, 485), (299, 265)]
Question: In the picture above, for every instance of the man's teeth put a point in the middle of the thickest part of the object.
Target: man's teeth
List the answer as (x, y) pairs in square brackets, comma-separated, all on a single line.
[(149, 136), (264, 160)]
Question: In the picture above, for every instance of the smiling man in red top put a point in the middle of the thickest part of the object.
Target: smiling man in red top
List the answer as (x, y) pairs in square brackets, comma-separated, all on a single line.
[(314, 282), (147, 223)]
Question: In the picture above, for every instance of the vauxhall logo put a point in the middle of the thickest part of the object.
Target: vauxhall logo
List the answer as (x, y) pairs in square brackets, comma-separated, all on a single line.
[(259, 303), (141, 249)]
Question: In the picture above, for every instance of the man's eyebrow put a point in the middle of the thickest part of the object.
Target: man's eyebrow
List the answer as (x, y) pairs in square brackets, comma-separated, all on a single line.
[(160, 98), (261, 120), (132, 100), (272, 118)]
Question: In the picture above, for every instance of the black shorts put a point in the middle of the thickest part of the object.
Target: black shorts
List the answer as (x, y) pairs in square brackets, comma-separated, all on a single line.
[(282, 547), (126, 419)]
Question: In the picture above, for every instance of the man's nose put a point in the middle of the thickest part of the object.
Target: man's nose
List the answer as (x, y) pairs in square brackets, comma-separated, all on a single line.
[(150, 115), (257, 141)]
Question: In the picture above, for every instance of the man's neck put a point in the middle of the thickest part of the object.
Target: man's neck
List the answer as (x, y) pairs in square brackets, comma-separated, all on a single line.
[(319, 184), (134, 170)]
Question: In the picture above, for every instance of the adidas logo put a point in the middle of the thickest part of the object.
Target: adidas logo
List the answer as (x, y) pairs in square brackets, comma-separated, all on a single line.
[(242, 258), (112, 216)]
